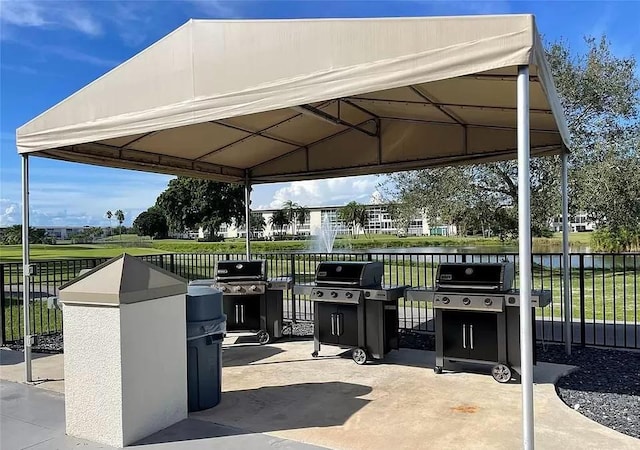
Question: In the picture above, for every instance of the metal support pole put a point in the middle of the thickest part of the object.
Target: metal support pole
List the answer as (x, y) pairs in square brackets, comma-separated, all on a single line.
[(247, 217), (26, 272), (566, 268), (524, 232)]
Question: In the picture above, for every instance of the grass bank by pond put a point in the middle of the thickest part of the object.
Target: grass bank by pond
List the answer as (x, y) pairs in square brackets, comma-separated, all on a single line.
[(135, 245)]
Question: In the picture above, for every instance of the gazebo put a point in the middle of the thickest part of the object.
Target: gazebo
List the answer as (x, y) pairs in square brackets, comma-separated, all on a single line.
[(268, 101)]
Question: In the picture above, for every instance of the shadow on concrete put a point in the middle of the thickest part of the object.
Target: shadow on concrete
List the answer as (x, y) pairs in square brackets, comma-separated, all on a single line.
[(11, 357), (273, 408), (242, 355), (189, 430)]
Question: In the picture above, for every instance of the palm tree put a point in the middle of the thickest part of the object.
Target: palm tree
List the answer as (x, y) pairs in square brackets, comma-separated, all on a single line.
[(302, 214), (348, 214), (290, 208), (109, 215), (120, 218), (279, 220), (258, 223), (362, 217)]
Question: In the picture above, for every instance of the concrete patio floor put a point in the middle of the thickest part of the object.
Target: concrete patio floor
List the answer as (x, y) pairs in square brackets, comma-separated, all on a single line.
[(280, 391)]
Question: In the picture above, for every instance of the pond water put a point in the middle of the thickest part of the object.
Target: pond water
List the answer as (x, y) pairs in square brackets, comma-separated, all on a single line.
[(549, 256)]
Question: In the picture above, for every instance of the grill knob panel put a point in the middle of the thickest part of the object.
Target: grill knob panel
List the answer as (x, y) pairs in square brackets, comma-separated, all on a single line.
[(466, 301), (488, 301), (334, 294), (445, 300)]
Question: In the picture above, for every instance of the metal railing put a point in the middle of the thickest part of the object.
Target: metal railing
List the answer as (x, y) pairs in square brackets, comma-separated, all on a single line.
[(604, 289)]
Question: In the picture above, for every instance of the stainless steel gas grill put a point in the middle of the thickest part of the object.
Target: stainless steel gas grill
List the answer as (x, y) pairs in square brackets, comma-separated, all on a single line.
[(353, 309), (251, 301), (477, 316)]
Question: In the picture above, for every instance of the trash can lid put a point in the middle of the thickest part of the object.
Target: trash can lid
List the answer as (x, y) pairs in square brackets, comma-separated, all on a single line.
[(197, 290)]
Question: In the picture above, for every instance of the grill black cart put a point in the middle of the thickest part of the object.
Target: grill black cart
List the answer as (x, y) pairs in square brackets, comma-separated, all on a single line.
[(477, 316), (353, 309), (251, 301)]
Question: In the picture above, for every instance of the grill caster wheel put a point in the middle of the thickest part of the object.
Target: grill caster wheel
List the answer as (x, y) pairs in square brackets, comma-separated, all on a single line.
[(263, 337), (359, 356), (314, 354), (437, 370), (501, 373)]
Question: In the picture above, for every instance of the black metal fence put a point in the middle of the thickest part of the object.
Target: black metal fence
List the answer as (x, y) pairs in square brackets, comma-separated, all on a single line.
[(604, 289)]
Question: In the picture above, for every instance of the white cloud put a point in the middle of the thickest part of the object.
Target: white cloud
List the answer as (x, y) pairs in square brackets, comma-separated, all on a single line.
[(52, 14), (334, 191)]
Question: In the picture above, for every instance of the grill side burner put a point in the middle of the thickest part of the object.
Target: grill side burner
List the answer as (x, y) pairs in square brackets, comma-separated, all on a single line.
[(353, 309), (477, 316), (251, 301)]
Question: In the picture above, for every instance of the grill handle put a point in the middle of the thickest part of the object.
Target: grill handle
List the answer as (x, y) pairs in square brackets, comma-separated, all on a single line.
[(471, 335), (237, 313), (339, 323), (464, 335), (333, 324)]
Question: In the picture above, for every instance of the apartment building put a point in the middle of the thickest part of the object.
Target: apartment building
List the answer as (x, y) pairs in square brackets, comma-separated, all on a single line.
[(379, 222)]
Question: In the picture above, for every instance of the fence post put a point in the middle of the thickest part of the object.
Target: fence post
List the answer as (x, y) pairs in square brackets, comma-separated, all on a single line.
[(582, 313), (369, 257), (172, 264), (3, 331), (293, 281)]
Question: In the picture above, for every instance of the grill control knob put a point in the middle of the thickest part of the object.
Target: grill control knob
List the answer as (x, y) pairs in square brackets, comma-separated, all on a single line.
[(445, 300), (466, 301), (254, 287), (334, 294), (367, 293), (237, 288), (488, 301), (319, 294), (349, 295), (512, 300), (224, 289)]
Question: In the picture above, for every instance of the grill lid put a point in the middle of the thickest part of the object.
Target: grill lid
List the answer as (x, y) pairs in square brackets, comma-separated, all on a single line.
[(241, 270), (475, 276), (349, 273)]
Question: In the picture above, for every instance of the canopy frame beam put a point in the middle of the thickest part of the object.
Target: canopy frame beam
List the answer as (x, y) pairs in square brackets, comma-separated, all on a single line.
[(26, 270), (524, 256), (566, 263), (247, 212), (442, 108), (312, 111)]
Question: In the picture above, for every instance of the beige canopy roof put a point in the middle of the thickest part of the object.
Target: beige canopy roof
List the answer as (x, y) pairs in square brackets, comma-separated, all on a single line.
[(279, 100)]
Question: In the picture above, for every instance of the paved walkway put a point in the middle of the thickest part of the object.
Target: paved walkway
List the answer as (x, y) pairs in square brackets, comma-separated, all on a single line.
[(34, 418), (279, 396)]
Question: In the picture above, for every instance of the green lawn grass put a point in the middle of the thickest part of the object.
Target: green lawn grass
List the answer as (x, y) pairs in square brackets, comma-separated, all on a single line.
[(43, 319), (39, 252)]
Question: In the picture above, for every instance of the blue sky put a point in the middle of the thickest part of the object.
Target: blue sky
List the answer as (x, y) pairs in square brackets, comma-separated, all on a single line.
[(50, 49)]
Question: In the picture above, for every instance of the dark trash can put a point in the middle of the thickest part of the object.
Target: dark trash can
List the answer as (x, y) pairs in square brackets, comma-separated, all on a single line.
[(206, 327)]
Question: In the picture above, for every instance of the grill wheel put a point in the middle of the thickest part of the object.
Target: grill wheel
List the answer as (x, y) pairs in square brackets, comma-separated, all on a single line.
[(263, 337), (359, 355), (501, 373)]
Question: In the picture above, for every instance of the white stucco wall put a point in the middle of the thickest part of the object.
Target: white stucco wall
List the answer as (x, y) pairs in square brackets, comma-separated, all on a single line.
[(93, 385), (154, 366), (125, 369)]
